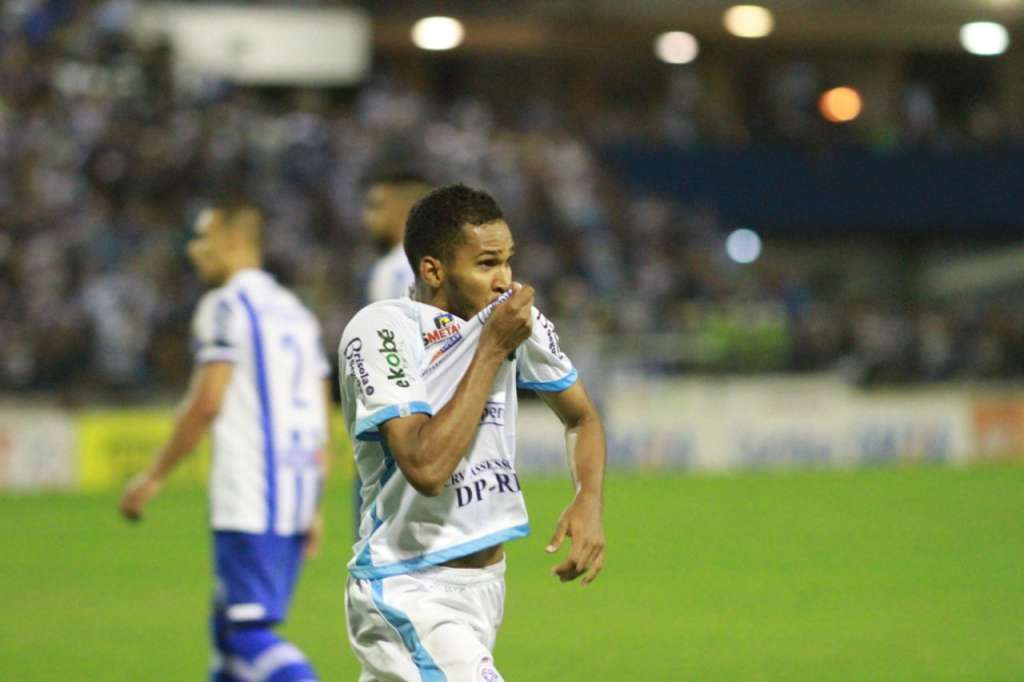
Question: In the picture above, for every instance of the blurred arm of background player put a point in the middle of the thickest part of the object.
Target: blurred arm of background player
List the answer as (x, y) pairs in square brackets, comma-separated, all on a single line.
[(197, 411), (581, 520), (199, 408)]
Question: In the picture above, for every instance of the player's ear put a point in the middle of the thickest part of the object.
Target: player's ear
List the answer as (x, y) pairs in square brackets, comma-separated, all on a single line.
[(432, 271)]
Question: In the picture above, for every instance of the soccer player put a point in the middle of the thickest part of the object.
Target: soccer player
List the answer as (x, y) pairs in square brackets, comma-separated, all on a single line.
[(260, 383), (389, 196), (428, 387)]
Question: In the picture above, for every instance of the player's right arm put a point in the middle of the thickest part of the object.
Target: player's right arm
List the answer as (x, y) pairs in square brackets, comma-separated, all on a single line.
[(206, 391), (217, 331), (427, 448)]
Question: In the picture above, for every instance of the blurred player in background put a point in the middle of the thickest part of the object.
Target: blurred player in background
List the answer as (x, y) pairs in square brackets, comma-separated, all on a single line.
[(260, 383), (389, 196), (428, 390)]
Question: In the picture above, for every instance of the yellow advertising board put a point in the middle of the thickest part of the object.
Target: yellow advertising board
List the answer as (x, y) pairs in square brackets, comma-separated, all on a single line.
[(114, 445)]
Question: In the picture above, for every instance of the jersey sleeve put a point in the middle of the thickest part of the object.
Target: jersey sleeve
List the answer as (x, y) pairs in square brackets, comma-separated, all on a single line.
[(542, 364), (217, 329), (374, 356)]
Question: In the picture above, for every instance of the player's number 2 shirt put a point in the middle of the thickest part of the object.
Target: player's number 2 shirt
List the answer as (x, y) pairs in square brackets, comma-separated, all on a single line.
[(272, 421)]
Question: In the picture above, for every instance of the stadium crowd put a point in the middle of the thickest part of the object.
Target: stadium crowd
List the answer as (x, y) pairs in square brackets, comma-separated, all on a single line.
[(106, 157)]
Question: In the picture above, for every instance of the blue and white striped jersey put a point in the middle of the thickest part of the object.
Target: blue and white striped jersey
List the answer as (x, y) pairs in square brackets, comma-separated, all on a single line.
[(273, 420), (400, 357)]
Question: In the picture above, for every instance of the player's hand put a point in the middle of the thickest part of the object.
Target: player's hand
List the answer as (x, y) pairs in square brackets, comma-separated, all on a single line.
[(139, 491), (314, 537), (581, 521), (511, 322)]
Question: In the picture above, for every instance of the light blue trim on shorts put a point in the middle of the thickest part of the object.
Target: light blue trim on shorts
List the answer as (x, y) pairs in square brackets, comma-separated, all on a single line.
[(363, 426), (429, 672), (551, 386), (364, 569)]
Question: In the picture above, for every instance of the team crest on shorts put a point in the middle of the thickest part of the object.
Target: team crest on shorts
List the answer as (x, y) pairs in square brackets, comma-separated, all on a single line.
[(488, 673)]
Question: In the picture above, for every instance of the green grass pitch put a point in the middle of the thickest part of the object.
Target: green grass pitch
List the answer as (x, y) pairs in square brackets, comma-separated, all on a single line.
[(884, 574)]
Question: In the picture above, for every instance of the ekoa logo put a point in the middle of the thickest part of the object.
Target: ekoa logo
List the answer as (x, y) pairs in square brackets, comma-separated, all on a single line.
[(388, 348), (357, 365), (549, 329)]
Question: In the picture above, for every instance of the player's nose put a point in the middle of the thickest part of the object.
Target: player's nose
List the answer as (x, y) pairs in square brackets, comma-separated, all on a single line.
[(503, 282)]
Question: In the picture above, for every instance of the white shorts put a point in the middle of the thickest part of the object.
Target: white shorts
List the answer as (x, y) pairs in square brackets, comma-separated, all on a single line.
[(435, 625)]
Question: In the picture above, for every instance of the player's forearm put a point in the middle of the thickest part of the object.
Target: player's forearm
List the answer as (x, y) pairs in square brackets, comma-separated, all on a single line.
[(189, 428), (586, 451), (445, 438)]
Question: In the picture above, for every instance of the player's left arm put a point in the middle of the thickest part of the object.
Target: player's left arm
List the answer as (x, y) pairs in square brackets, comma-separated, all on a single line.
[(197, 411), (582, 519)]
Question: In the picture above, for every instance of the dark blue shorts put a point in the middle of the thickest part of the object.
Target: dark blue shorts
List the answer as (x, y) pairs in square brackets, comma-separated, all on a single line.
[(256, 574)]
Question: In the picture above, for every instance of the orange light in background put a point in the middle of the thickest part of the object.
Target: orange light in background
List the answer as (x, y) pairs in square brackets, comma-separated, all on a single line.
[(841, 105)]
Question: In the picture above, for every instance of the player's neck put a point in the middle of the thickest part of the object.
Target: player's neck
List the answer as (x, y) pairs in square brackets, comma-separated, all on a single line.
[(397, 237), (241, 265), (433, 297)]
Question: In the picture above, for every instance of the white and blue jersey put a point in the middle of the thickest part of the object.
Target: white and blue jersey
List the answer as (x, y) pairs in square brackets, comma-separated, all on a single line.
[(265, 477), (401, 357), (391, 276)]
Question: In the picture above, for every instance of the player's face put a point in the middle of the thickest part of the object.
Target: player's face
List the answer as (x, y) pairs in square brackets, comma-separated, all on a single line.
[(383, 210), (480, 270), (207, 247)]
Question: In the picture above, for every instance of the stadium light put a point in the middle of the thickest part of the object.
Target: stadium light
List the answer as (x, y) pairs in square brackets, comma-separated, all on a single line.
[(841, 105), (743, 246), (985, 38), (438, 33), (749, 21), (676, 47)]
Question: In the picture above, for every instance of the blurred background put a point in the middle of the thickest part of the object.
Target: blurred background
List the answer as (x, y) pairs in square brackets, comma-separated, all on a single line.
[(781, 236)]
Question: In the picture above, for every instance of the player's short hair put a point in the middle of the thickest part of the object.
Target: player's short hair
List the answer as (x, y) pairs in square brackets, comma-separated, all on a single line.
[(434, 226), (396, 175), (242, 213)]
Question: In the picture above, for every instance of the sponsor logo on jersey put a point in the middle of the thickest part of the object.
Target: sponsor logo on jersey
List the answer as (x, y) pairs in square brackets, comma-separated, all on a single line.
[(494, 413), (552, 336), (396, 366), (357, 366), (445, 327)]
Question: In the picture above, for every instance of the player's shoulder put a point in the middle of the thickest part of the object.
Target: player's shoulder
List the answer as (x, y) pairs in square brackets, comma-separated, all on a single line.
[(221, 297), (290, 301), (541, 324), (399, 314), (544, 335)]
